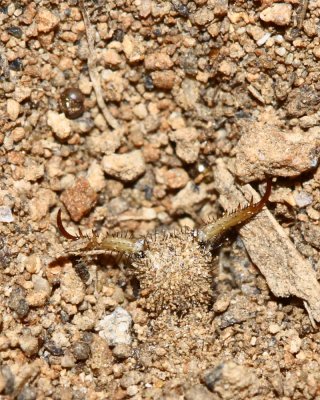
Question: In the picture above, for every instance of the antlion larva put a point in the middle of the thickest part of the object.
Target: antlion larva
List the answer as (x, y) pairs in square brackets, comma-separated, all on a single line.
[(174, 269)]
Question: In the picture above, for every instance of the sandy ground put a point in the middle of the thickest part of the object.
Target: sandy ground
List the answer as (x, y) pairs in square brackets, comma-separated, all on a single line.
[(144, 115)]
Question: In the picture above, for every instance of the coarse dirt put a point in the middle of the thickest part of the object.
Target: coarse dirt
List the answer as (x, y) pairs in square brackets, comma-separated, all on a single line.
[(180, 102)]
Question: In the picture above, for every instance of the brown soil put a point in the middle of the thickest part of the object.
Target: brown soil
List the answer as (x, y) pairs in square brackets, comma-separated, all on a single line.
[(180, 103)]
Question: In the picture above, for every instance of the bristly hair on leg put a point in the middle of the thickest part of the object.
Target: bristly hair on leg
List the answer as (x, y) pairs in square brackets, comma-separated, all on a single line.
[(215, 230), (95, 245)]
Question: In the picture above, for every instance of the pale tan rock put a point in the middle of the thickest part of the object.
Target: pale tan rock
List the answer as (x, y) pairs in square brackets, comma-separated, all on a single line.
[(106, 143), (60, 124), (46, 20), (29, 344), (95, 177), (72, 288), (133, 49), (279, 14), (18, 134), (175, 178), (110, 57), (233, 379), (228, 68), (158, 61), (126, 167), (187, 197), (40, 204), (13, 109), (266, 150), (21, 93), (203, 16), (187, 143), (33, 170), (140, 110)]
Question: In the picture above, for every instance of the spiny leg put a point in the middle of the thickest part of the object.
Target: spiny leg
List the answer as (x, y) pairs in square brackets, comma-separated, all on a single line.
[(213, 231)]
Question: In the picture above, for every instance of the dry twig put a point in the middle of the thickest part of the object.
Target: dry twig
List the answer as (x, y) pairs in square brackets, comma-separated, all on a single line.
[(92, 66)]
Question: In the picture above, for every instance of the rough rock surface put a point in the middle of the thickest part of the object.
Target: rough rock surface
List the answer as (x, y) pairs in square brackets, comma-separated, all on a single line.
[(266, 150)]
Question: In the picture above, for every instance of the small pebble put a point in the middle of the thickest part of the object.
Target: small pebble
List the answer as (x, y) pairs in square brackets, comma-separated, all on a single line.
[(53, 348), (60, 124), (274, 328), (281, 51), (175, 178), (122, 351), (29, 345), (13, 109), (6, 214), (261, 41), (126, 167), (18, 134), (72, 287), (15, 31), (295, 345), (33, 264), (131, 378), (158, 61), (133, 49), (163, 79), (279, 14), (67, 361), (132, 390), (115, 327), (81, 351), (302, 198), (222, 303), (79, 199), (17, 302), (188, 146), (46, 20)]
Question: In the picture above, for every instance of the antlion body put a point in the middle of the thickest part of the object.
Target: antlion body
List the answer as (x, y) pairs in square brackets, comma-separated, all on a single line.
[(174, 269)]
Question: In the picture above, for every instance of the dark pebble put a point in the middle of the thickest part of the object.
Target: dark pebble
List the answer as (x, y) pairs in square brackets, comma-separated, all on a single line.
[(81, 351), (15, 31), (82, 270), (181, 9), (118, 35), (16, 65), (148, 83), (18, 303), (53, 348), (211, 377)]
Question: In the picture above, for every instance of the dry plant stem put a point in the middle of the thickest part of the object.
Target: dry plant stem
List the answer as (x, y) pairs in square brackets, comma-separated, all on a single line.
[(92, 66), (4, 65), (303, 13), (287, 272)]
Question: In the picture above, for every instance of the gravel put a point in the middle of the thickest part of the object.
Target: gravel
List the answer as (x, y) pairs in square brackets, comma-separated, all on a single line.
[(165, 87)]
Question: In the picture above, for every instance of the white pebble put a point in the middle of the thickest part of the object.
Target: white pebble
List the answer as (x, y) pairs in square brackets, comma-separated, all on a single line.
[(281, 51), (264, 39), (115, 327), (6, 214)]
